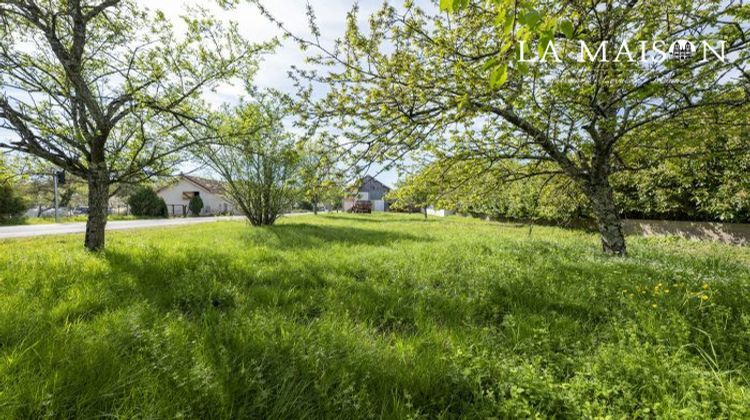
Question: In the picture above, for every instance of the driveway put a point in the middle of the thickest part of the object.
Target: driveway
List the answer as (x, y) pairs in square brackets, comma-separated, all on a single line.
[(27, 231)]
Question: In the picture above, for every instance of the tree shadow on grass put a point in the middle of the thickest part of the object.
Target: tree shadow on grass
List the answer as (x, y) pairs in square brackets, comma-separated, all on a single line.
[(209, 289), (193, 282), (303, 235), (200, 281), (197, 281)]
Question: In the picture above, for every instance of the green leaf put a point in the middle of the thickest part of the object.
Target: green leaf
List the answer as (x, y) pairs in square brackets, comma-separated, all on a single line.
[(520, 68), (508, 26), (453, 5), (543, 43), (532, 18), (499, 76), (505, 47), (491, 63), (566, 27)]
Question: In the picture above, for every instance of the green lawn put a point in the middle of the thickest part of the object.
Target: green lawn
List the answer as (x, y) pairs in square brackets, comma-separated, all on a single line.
[(372, 316)]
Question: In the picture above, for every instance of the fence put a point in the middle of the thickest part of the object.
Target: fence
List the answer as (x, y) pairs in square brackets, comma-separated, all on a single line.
[(731, 233), (122, 210), (177, 210)]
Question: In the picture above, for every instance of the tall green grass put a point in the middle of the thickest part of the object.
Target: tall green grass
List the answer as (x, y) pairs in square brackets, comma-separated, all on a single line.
[(389, 316)]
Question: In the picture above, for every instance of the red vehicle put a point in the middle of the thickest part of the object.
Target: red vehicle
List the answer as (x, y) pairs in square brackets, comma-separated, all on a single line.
[(361, 207)]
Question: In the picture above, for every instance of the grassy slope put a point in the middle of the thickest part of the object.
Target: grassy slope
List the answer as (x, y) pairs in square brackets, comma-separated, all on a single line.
[(345, 316)]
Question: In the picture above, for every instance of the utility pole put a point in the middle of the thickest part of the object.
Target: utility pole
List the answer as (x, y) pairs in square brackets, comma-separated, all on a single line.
[(57, 218), (59, 178)]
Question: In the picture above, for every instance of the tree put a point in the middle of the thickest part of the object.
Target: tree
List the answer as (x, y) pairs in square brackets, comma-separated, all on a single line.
[(706, 180), (5, 171), (11, 203), (333, 193), (257, 159), (196, 205), (33, 180), (502, 192), (456, 85), (146, 203), (39, 192), (109, 92), (320, 179), (413, 193)]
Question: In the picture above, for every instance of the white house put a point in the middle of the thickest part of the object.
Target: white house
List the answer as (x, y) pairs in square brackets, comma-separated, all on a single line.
[(178, 194)]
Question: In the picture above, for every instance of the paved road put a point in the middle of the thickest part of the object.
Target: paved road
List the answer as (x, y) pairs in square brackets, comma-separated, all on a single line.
[(68, 228)]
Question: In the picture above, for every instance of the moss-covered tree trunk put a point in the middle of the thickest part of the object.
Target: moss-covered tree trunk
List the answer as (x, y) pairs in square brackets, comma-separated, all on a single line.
[(607, 217), (98, 200)]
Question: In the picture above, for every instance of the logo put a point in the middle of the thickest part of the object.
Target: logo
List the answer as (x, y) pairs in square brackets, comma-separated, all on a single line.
[(631, 52), (682, 50)]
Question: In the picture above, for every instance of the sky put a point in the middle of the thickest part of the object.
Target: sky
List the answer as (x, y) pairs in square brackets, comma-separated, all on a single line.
[(273, 72)]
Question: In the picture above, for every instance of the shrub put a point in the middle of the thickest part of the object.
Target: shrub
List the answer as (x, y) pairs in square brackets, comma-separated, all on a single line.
[(261, 169), (196, 205), (11, 204), (145, 202)]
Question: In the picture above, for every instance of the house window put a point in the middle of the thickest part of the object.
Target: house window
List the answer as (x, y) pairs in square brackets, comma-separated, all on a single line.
[(188, 195)]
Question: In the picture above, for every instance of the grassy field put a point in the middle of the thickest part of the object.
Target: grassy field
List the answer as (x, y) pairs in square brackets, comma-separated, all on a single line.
[(372, 316)]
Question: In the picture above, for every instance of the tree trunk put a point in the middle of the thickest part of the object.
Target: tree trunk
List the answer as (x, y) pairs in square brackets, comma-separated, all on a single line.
[(425, 213), (315, 207), (98, 202), (607, 218)]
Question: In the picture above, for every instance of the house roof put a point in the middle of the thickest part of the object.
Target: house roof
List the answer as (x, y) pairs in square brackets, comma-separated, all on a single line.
[(211, 185), (370, 179)]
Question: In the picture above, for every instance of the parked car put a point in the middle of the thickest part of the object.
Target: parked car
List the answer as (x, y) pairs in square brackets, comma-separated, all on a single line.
[(62, 212), (79, 211), (32, 212), (361, 207)]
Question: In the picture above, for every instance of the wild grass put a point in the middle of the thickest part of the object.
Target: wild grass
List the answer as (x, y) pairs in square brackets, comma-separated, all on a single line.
[(386, 316)]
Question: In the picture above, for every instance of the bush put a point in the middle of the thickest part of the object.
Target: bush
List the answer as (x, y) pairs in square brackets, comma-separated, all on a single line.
[(196, 205), (11, 204), (145, 202), (260, 171)]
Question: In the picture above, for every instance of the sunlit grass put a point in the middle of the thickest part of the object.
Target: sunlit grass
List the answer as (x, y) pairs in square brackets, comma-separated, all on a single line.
[(372, 316)]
